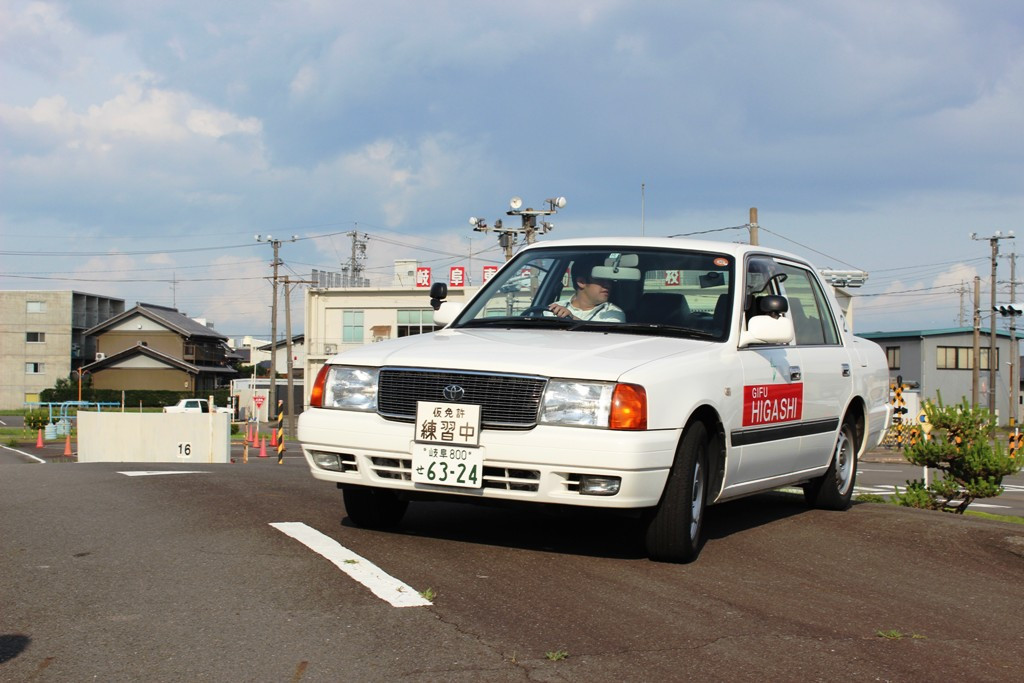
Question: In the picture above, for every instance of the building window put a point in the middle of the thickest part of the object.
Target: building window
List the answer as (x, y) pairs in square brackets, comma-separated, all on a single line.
[(352, 327), (892, 353), (961, 358), (35, 368), (35, 337), (36, 306), (415, 322)]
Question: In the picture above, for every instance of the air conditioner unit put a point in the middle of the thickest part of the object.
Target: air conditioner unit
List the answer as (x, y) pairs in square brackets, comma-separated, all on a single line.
[(330, 349), (100, 355)]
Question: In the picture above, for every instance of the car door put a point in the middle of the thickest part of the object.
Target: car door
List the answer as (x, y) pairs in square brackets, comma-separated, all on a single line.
[(825, 364), (766, 442)]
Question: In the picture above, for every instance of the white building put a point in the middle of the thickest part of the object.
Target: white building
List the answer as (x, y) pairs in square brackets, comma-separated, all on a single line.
[(339, 318)]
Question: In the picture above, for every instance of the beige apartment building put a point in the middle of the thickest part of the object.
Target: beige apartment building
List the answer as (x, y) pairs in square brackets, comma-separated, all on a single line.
[(42, 339)]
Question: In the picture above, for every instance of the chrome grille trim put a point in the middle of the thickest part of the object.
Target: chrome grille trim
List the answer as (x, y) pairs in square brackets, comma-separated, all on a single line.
[(507, 401)]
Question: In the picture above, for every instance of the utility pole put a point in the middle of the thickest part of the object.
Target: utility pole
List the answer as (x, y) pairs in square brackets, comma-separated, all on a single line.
[(753, 227), (276, 244), (507, 237), (354, 268), (1014, 353), (992, 354), (976, 360), (962, 318)]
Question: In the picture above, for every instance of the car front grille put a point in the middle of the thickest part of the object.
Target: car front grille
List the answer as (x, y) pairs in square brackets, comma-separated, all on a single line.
[(507, 401)]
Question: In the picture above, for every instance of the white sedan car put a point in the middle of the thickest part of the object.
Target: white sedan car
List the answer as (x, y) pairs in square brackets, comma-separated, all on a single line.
[(646, 374)]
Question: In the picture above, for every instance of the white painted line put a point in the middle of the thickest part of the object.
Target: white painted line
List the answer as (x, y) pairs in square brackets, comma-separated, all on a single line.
[(859, 470), (383, 585), (987, 505), (27, 455), (153, 474)]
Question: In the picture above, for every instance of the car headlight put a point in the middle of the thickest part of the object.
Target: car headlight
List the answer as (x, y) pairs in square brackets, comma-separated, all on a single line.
[(349, 388), (594, 404)]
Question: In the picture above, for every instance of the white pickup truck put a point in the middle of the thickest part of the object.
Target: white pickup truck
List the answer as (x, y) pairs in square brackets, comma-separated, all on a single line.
[(650, 375), (195, 405)]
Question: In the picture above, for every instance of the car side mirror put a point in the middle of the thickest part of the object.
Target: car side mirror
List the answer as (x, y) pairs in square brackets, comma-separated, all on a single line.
[(764, 329), (438, 293)]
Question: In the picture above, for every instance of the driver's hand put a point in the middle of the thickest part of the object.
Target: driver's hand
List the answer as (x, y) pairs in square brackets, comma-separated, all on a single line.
[(560, 311)]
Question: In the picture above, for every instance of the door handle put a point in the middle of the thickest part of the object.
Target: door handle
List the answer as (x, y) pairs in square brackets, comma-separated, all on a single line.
[(846, 369), (794, 373)]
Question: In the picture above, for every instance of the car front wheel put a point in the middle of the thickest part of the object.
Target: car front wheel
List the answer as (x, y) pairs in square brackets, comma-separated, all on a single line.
[(675, 529)]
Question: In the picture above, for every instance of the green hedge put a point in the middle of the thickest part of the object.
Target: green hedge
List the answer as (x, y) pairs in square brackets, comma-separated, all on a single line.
[(132, 397)]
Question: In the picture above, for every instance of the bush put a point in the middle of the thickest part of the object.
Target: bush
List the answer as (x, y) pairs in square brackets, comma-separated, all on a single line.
[(37, 419), (960, 446), (63, 391)]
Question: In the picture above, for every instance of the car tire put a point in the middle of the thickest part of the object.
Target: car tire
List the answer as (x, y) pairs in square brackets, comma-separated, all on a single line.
[(372, 508), (675, 528), (834, 489)]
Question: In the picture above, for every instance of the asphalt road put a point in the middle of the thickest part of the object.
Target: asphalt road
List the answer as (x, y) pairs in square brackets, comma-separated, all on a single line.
[(182, 577)]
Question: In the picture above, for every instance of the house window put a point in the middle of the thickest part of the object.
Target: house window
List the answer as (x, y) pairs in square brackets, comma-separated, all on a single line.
[(36, 306), (961, 358), (352, 327), (35, 337), (415, 322), (35, 368), (892, 353)]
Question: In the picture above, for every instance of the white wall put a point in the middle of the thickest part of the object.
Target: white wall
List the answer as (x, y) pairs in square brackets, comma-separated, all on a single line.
[(154, 437)]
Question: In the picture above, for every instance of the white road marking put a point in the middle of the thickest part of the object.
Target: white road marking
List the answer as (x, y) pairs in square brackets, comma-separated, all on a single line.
[(153, 474), (382, 584), (27, 455)]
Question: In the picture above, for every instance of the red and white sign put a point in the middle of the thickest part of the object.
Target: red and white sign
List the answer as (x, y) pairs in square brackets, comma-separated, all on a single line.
[(672, 278), (423, 277), (457, 276), (258, 399), (770, 403), (489, 272)]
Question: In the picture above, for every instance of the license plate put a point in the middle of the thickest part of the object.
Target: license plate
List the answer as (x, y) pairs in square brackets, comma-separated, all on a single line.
[(447, 424), (448, 465)]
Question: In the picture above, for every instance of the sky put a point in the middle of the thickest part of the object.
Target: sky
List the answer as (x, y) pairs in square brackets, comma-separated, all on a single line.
[(144, 144)]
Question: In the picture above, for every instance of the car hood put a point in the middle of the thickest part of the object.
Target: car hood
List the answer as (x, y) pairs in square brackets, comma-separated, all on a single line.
[(551, 353)]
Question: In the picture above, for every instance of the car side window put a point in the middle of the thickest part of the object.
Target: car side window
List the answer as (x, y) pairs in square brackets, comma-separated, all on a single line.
[(812, 317)]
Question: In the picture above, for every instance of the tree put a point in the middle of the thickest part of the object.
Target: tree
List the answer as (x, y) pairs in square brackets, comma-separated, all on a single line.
[(959, 446)]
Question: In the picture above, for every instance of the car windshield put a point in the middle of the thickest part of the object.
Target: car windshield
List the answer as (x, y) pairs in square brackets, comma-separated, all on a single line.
[(672, 292)]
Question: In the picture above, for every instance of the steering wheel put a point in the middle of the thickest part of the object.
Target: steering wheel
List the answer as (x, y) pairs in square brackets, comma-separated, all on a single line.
[(534, 312)]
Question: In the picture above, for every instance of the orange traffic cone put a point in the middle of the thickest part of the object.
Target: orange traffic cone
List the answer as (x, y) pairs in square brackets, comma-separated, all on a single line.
[(263, 447), (67, 445), (39, 439), (255, 435), (273, 438)]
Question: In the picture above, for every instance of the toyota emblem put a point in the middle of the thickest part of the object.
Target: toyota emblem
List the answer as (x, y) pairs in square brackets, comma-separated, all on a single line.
[(453, 392)]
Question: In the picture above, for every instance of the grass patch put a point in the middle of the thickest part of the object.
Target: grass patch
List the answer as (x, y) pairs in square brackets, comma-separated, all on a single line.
[(870, 498), (428, 594), (557, 655), (893, 634), (999, 518)]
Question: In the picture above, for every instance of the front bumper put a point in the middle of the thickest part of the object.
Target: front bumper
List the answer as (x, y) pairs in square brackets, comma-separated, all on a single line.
[(541, 465)]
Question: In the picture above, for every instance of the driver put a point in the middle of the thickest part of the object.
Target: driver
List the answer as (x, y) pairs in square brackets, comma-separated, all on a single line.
[(590, 301)]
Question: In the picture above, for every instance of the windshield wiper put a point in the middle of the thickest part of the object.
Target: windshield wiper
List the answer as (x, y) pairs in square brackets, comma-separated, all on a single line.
[(520, 321), (643, 328)]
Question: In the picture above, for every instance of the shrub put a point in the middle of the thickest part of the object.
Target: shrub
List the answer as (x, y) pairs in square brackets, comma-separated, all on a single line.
[(37, 419), (960, 447)]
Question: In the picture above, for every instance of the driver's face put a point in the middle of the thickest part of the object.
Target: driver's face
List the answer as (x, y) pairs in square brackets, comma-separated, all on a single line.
[(596, 291)]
